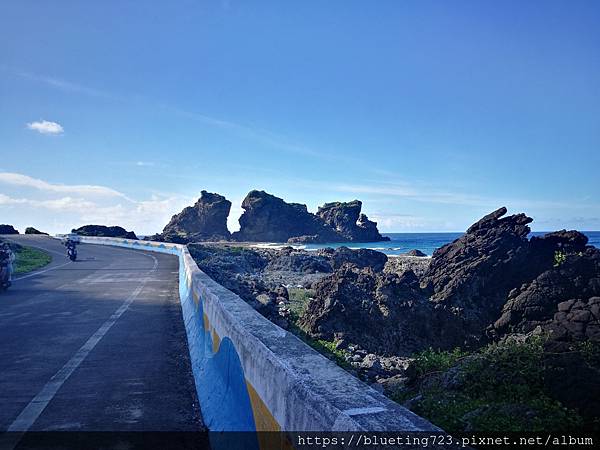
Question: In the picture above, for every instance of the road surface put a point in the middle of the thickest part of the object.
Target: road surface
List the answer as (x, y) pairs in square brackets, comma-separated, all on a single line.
[(95, 345)]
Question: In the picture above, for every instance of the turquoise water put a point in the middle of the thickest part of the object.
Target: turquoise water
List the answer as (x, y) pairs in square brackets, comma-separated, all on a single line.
[(426, 242)]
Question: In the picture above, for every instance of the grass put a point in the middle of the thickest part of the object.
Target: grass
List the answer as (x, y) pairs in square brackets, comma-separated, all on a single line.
[(496, 389), (29, 259), (299, 298)]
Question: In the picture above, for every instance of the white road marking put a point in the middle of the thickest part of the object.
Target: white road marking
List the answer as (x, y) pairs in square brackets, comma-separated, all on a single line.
[(39, 272), (36, 406)]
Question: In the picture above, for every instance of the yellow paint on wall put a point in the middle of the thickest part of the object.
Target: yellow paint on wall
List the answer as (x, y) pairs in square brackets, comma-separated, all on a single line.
[(264, 421), (263, 418), (216, 341)]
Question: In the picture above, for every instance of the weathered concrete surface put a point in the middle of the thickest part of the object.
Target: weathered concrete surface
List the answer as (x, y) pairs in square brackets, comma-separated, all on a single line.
[(252, 375), (136, 377)]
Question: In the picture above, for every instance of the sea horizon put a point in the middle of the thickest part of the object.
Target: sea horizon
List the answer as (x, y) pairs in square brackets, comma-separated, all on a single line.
[(427, 242)]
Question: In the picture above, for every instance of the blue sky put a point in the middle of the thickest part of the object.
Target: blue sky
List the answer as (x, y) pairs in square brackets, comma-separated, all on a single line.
[(432, 113)]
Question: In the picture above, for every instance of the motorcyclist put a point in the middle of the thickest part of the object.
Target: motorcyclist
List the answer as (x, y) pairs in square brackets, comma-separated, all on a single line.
[(71, 244), (7, 258)]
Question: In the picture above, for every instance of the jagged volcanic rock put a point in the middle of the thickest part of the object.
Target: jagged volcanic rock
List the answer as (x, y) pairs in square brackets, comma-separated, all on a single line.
[(205, 221), (104, 231), (384, 313), (347, 220), (361, 258), (475, 273), (8, 229), (267, 218), (564, 300)]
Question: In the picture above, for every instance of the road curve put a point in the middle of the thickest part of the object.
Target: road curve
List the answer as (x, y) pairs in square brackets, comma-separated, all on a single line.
[(95, 345)]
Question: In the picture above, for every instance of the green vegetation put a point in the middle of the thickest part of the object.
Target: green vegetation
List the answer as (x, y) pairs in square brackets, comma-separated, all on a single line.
[(559, 258), (299, 298), (496, 389), (431, 360), (29, 258)]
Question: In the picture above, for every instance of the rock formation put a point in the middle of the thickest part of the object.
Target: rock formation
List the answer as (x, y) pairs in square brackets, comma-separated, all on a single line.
[(475, 273), (267, 218), (31, 230), (361, 258), (384, 313), (104, 231), (8, 229), (347, 220), (205, 221), (490, 282)]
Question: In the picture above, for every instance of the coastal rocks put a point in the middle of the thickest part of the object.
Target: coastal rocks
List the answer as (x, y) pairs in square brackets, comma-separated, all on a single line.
[(291, 260), (8, 229), (104, 231), (415, 252), (267, 218), (205, 221), (563, 300), (383, 313), (346, 219), (31, 230), (401, 264), (360, 258), (475, 273)]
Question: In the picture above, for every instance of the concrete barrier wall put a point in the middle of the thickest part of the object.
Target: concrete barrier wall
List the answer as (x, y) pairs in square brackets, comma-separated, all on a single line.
[(251, 375)]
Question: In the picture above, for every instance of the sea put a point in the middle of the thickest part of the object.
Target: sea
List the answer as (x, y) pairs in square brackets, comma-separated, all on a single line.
[(400, 243)]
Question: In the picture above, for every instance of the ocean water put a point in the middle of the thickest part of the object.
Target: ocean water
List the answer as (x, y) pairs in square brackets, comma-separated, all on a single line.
[(426, 242)]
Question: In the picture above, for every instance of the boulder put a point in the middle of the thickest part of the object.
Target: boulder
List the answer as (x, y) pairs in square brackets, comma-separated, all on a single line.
[(415, 252), (104, 231), (31, 230), (205, 221), (8, 229)]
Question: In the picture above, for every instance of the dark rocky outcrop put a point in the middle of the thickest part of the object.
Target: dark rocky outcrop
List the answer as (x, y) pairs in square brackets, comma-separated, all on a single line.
[(104, 231), (347, 220), (490, 282), (384, 313), (31, 230), (267, 218), (205, 221), (8, 229), (361, 258), (415, 252), (475, 273), (563, 300)]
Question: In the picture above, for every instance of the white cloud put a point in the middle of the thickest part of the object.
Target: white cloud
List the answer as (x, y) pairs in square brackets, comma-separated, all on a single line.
[(46, 127), (20, 180), (57, 207)]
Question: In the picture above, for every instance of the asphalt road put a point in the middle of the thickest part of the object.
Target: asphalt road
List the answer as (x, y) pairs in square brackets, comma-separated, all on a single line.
[(95, 345)]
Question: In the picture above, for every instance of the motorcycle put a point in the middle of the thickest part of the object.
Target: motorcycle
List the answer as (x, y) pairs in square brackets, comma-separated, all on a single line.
[(72, 253), (4, 277)]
